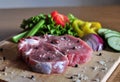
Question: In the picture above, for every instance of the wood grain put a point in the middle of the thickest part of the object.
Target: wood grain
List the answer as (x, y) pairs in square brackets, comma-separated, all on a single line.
[(107, 15), (115, 77)]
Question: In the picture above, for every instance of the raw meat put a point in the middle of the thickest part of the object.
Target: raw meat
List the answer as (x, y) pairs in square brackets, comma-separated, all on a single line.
[(41, 56), (77, 50), (52, 54)]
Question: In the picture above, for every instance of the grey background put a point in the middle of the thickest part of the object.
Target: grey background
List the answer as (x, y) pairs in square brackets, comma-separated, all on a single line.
[(52, 3)]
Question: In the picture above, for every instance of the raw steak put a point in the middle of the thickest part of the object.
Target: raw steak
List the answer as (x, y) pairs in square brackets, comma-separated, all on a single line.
[(77, 50), (51, 54), (41, 56)]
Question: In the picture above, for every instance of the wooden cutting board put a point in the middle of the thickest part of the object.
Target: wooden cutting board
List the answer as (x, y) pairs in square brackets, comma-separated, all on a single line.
[(99, 69)]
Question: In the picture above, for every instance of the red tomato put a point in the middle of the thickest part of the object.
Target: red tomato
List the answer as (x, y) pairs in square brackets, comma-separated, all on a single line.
[(59, 19), (54, 13)]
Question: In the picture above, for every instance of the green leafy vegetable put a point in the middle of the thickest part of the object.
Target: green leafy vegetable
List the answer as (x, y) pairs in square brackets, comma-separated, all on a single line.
[(71, 17), (44, 24), (32, 21), (34, 30)]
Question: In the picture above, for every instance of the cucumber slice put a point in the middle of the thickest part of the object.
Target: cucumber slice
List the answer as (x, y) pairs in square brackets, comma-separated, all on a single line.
[(114, 42), (111, 31), (107, 31), (110, 34), (102, 30)]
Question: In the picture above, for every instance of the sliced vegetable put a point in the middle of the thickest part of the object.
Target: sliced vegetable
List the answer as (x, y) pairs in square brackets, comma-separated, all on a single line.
[(101, 31), (114, 42), (56, 24), (77, 27), (16, 38), (95, 26), (32, 32), (106, 33), (94, 41), (44, 24), (83, 28), (110, 34), (36, 28), (112, 37), (87, 28), (59, 19)]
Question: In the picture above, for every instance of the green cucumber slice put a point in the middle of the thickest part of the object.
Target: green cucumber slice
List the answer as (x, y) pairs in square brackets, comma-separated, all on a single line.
[(110, 34), (107, 31), (102, 30), (114, 42)]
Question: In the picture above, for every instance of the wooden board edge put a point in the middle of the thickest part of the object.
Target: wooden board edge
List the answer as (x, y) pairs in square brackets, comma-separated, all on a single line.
[(111, 70)]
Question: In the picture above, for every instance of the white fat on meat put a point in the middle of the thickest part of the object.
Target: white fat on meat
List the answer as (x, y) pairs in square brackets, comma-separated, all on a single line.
[(60, 66), (28, 41), (44, 67), (32, 41), (28, 52)]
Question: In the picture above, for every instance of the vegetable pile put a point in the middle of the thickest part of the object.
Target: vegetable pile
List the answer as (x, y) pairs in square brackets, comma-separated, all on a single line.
[(59, 24), (54, 24)]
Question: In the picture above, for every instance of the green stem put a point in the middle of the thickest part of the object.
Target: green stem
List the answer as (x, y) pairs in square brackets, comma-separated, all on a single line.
[(32, 32), (35, 29), (16, 38)]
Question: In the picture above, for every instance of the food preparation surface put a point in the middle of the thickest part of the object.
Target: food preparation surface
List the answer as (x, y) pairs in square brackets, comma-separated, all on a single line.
[(18, 71), (13, 69)]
